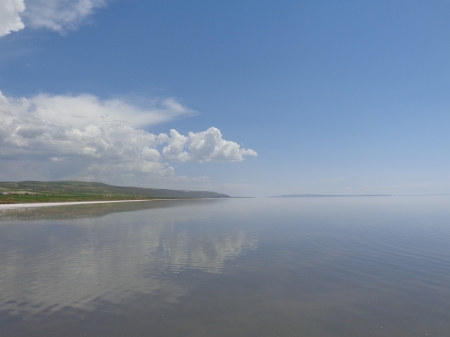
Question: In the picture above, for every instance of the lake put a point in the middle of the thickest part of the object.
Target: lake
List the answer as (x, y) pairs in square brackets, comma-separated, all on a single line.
[(348, 266)]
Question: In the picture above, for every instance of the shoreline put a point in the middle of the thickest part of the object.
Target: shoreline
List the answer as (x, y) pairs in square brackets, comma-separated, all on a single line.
[(68, 203)]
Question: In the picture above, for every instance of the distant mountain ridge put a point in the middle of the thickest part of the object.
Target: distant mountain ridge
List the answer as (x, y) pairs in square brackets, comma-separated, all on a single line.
[(329, 195), (96, 188), (353, 195)]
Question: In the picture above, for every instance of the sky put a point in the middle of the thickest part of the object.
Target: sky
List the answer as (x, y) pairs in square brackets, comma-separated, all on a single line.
[(248, 98)]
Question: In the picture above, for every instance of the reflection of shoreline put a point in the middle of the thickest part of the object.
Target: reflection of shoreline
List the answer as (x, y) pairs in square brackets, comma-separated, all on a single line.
[(89, 210), (71, 203)]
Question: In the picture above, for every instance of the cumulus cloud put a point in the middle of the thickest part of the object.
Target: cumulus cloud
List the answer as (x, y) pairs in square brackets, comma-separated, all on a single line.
[(57, 15), (83, 137), (10, 20), (204, 146), (60, 15)]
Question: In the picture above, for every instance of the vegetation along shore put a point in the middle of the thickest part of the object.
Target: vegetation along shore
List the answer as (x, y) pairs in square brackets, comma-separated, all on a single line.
[(67, 191)]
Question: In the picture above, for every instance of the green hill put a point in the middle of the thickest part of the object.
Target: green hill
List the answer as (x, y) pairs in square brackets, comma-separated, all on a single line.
[(48, 191)]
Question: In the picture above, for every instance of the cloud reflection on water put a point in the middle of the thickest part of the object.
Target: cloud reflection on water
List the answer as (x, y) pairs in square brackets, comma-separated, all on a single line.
[(51, 264)]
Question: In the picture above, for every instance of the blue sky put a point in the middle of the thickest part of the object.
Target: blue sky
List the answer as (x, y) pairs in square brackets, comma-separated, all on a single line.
[(343, 97)]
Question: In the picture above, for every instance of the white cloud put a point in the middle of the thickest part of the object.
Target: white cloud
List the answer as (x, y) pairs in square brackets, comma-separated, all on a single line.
[(60, 15), (175, 149), (10, 20), (83, 137), (83, 110), (209, 146), (57, 15), (204, 146)]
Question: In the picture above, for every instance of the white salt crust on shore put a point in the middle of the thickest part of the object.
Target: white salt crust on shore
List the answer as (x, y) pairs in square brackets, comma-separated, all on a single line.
[(50, 204)]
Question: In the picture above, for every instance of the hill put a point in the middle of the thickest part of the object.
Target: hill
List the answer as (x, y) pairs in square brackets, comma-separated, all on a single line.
[(40, 191), (329, 195)]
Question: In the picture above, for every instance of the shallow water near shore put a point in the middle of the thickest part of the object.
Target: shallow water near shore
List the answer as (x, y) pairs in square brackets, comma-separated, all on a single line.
[(357, 266)]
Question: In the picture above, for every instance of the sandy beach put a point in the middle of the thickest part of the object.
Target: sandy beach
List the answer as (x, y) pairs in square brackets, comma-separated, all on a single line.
[(51, 204)]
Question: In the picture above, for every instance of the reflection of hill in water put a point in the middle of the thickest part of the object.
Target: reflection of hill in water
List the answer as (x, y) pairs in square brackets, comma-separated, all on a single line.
[(79, 262), (93, 210)]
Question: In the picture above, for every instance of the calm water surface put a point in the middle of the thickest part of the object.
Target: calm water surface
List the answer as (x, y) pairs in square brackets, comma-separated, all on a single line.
[(375, 266)]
